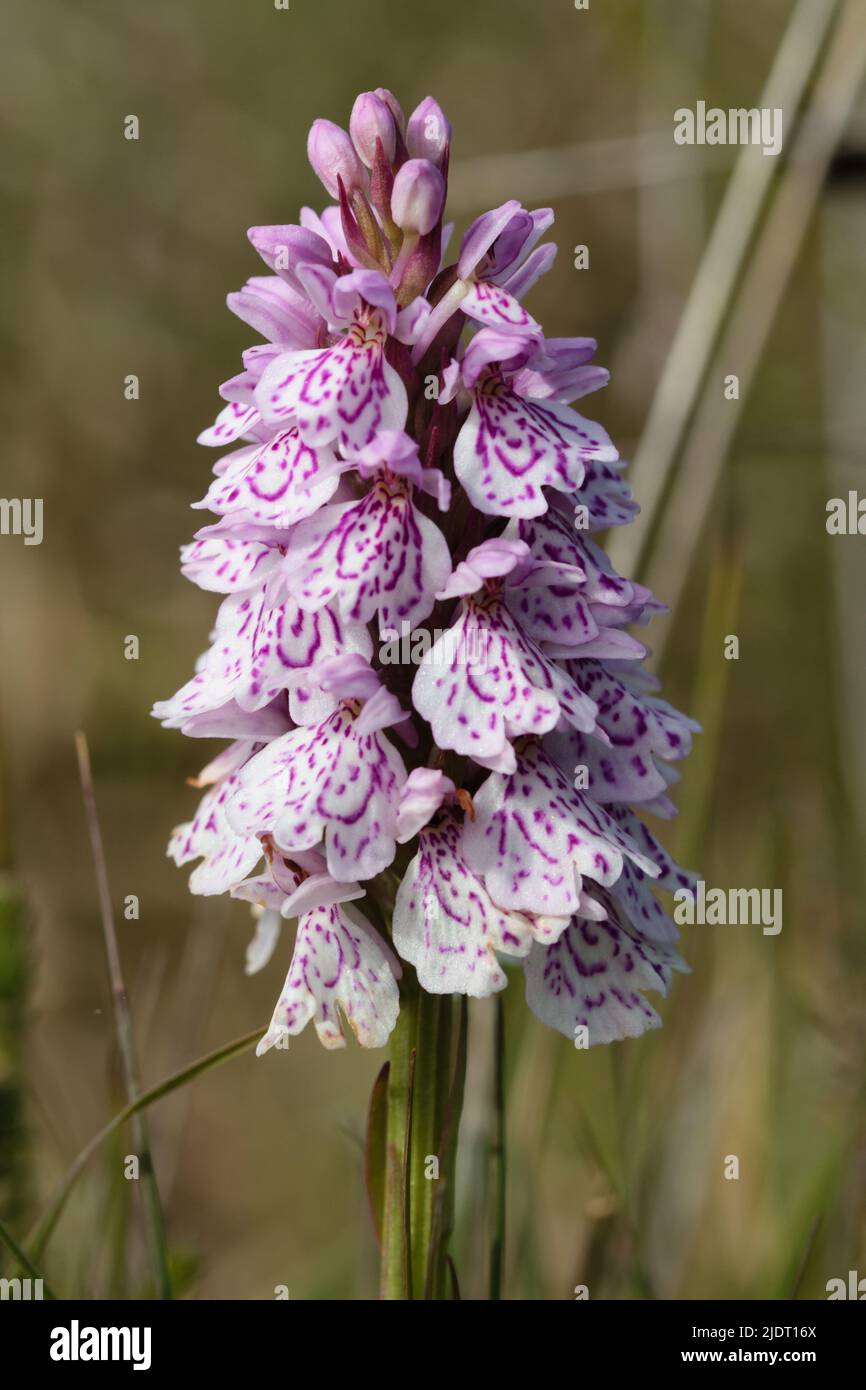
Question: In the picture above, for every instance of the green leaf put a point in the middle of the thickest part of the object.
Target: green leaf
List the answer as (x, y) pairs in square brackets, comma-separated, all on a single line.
[(375, 1150)]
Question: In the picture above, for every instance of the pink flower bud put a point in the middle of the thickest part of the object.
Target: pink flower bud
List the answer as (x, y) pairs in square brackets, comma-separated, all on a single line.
[(392, 104), (370, 120), (428, 133), (418, 196), (333, 157)]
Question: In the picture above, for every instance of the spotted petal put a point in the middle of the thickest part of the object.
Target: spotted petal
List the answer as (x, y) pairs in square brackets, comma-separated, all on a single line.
[(640, 725), (613, 774), (339, 963), (260, 650), (226, 721), (554, 612), (233, 422), (227, 856), (553, 539), (345, 393), (446, 924), (606, 497), (592, 978), (485, 682), (326, 782), (281, 483), (495, 307), (227, 565), (380, 555), (535, 838), (510, 448), (634, 893)]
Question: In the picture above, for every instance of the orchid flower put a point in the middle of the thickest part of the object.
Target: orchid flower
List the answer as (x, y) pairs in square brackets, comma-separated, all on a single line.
[(404, 455)]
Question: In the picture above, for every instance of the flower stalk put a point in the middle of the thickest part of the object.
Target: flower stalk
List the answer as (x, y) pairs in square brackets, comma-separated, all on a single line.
[(424, 1097)]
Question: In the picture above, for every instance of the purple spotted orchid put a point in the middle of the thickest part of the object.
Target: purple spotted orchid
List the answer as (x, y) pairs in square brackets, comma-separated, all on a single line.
[(406, 459)]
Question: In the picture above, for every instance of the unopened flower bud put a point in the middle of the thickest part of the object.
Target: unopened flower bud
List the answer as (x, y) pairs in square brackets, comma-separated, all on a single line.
[(333, 157), (418, 197), (371, 119), (428, 133), (392, 104)]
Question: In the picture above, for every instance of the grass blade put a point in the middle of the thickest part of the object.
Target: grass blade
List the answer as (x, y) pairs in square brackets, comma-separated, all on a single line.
[(123, 1025), (21, 1258), (41, 1233)]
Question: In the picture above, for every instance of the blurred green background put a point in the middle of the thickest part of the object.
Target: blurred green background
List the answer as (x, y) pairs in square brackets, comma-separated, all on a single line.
[(117, 258)]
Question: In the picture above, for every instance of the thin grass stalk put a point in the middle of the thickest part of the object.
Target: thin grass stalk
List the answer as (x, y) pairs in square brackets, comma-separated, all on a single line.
[(14, 1181), (124, 1028), (24, 1262), (772, 263), (714, 286)]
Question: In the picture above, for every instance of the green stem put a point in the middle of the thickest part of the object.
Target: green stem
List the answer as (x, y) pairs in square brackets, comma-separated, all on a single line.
[(441, 1281), (497, 1155), (419, 1155), (394, 1275)]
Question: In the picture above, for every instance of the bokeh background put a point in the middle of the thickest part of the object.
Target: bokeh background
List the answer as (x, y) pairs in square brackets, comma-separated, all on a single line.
[(703, 262)]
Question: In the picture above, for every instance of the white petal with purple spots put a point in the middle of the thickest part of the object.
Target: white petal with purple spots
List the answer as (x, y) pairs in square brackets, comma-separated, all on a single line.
[(592, 978), (345, 393), (260, 650), (380, 555), (226, 565), (340, 965), (535, 838), (328, 783), (493, 306), (510, 448), (277, 484), (446, 924), (227, 856), (484, 682)]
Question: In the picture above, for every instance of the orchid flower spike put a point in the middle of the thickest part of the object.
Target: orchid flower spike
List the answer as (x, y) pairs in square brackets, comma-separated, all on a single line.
[(440, 744)]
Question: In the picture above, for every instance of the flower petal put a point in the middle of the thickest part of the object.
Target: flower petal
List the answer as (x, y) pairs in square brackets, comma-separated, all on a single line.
[(495, 307), (263, 942), (233, 422), (227, 856), (510, 448), (279, 484), (484, 682), (446, 924), (592, 977), (536, 838), (227, 565), (261, 650), (339, 963), (380, 555), (345, 393), (325, 783)]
